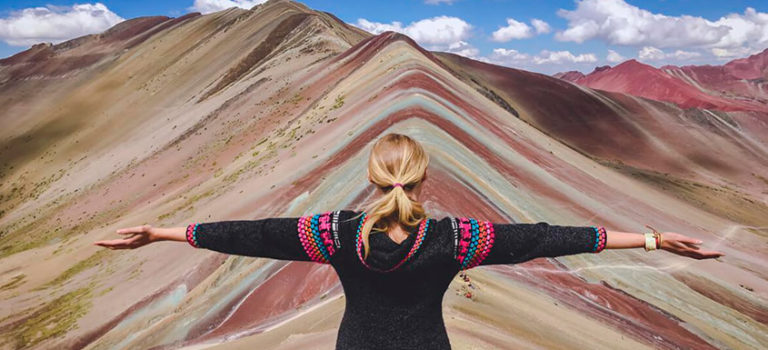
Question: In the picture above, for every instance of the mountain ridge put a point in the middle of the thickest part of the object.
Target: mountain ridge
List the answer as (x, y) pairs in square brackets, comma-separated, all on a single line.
[(131, 140), (734, 86)]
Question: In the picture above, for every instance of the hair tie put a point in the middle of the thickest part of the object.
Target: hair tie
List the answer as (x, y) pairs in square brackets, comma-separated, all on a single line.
[(397, 184)]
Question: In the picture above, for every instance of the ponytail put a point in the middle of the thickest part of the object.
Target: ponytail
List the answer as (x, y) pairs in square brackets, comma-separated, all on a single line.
[(397, 165)]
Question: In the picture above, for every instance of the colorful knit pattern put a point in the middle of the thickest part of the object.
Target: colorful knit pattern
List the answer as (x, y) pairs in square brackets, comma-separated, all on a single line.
[(192, 235), (420, 235), (473, 242), (600, 239), (316, 238)]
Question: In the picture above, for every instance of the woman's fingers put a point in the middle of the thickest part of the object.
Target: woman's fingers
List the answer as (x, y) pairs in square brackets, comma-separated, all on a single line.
[(113, 243), (678, 245), (684, 241), (687, 246), (682, 238), (123, 243), (692, 245), (128, 230), (133, 237), (134, 229), (710, 254), (699, 254)]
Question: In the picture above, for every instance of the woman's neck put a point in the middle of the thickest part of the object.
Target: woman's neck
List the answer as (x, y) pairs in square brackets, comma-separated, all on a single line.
[(396, 231)]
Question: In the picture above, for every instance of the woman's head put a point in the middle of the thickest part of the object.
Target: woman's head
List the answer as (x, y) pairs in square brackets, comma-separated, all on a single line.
[(397, 166)]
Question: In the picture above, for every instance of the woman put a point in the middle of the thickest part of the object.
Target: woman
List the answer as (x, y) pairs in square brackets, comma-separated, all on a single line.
[(394, 262)]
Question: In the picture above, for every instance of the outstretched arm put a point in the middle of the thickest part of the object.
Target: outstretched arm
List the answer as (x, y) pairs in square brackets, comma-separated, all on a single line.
[(486, 243), (671, 241), (307, 238)]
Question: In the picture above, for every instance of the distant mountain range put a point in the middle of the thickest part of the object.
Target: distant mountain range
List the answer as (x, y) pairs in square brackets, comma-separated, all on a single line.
[(739, 85)]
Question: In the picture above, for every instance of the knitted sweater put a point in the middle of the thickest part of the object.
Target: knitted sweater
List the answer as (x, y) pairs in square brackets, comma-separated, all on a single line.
[(394, 299)]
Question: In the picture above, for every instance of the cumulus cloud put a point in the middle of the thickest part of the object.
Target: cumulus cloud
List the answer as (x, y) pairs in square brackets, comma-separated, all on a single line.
[(519, 30), (509, 57), (541, 26), (514, 58), (208, 6), (650, 53), (463, 48), (559, 57), (513, 30), (440, 31), (726, 54), (614, 57), (619, 23), (55, 23)]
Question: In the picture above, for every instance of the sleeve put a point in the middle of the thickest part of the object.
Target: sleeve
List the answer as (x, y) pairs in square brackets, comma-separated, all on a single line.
[(306, 238), (485, 243)]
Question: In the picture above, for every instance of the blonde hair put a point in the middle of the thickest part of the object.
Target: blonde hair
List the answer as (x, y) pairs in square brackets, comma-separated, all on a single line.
[(394, 159)]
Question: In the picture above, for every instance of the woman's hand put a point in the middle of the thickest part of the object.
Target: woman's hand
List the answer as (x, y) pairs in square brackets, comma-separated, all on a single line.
[(137, 236), (686, 246)]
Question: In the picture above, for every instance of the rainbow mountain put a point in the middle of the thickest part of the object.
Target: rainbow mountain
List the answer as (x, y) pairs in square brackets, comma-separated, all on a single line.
[(245, 114)]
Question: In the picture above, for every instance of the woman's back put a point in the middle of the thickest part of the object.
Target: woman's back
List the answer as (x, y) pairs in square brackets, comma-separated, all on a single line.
[(401, 308)]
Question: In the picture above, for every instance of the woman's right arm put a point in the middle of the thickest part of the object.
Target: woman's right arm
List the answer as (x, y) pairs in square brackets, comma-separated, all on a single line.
[(306, 238)]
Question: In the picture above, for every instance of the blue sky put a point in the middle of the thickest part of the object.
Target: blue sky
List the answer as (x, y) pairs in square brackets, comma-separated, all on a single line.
[(543, 36)]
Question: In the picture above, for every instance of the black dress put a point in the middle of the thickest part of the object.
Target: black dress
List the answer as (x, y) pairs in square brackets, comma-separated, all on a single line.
[(400, 286)]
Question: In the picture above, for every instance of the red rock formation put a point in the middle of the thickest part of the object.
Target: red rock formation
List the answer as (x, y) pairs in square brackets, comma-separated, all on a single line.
[(736, 86)]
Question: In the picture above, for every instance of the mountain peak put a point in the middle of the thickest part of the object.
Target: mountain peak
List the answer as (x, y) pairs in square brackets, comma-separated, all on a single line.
[(571, 75), (633, 63)]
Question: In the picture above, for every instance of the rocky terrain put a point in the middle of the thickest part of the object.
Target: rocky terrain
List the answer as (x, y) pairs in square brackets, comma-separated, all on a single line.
[(245, 114)]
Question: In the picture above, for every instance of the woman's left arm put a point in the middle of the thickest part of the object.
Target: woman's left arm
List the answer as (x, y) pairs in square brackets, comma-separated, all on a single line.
[(485, 243), (671, 241)]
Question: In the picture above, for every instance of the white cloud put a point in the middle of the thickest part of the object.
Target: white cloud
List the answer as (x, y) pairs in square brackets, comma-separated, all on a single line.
[(513, 30), (378, 28), (208, 6), (463, 48), (614, 57), (726, 54), (650, 53), (559, 57), (55, 23), (519, 30), (541, 26), (684, 55), (514, 58), (441, 33), (437, 31), (438, 2), (619, 23), (509, 57)]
